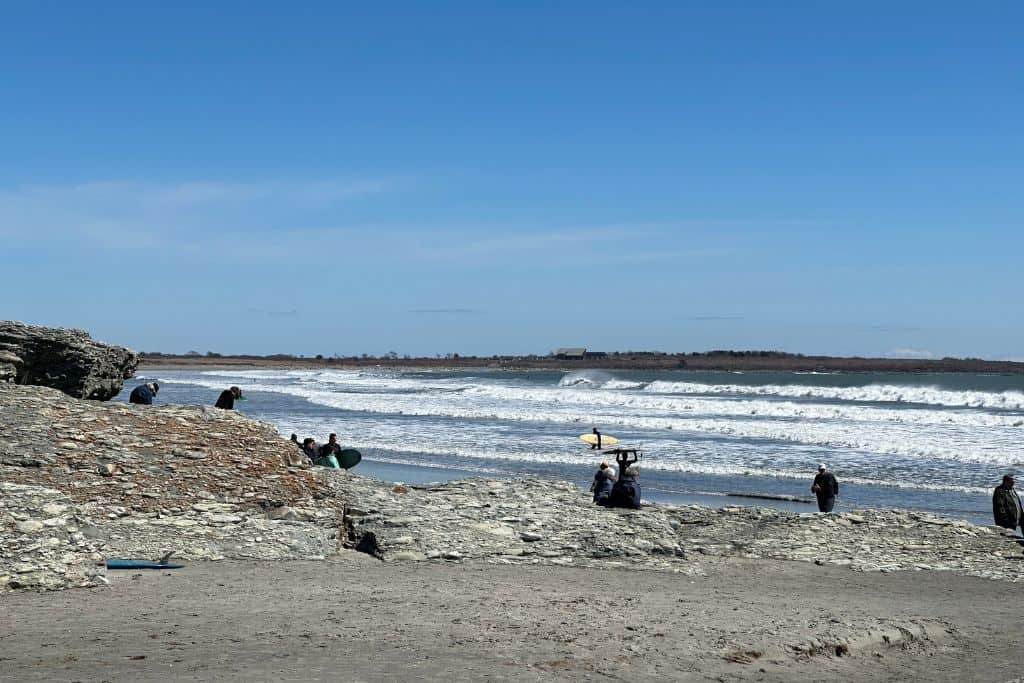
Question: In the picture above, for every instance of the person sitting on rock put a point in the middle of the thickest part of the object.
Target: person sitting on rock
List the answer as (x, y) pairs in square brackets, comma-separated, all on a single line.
[(227, 398), (309, 447), (144, 394), (604, 478), (625, 492)]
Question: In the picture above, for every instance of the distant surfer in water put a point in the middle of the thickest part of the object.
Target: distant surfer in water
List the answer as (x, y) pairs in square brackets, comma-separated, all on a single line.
[(596, 446)]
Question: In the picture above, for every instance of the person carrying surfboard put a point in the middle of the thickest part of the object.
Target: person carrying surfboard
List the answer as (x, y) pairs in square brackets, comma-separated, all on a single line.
[(596, 446)]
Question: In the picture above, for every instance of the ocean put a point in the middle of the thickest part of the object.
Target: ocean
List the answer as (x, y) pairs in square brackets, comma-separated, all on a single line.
[(938, 443)]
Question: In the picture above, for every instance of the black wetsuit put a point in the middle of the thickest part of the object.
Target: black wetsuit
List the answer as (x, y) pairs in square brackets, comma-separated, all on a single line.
[(226, 400), (141, 395)]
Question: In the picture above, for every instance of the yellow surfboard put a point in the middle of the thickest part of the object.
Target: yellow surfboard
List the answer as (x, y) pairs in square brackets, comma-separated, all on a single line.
[(605, 440)]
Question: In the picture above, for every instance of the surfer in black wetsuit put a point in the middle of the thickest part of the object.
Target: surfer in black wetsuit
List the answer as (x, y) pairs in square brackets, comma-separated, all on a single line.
[(332, 447), (596, 446), (227, 398), (144, 394)]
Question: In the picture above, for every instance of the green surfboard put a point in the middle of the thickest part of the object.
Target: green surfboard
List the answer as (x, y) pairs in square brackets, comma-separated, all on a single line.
[(349, 458)]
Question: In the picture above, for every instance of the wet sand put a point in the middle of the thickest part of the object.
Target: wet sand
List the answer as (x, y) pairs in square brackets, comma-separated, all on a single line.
[(354, 618)]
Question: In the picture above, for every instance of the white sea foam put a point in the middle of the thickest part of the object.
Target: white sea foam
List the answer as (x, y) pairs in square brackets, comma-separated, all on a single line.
[(948, 436), (874, 393)]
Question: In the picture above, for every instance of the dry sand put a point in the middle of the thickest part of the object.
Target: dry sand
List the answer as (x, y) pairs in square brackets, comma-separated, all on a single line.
[(354, 618)]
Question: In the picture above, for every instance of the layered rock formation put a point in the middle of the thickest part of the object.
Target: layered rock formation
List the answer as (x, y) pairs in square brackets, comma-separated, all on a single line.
[(65, 359), (535, 521), (82, 478)]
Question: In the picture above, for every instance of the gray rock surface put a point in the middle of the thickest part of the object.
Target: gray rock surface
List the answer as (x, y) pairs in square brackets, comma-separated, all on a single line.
[(534, 521), (65, 359), (41, 541)]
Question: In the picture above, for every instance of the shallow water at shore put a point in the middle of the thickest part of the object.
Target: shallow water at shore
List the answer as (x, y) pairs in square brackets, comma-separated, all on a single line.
[(932, 442)]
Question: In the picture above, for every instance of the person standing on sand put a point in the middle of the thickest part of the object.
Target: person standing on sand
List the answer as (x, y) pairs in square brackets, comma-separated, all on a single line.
[(144, 394), (826, 488), (227, 398), (1006, 505)]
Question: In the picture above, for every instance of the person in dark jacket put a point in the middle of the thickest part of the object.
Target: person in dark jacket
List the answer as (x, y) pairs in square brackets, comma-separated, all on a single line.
[(825, 488), (625, 492), (604, 478), (227, 398), (310, 449), (1006, 505), (332, 447), (144, 394)]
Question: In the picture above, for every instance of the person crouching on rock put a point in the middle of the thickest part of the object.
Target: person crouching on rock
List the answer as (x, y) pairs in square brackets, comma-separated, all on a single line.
[(227, 398), (626, 491), (144, 394), (602, 484), (825, 488)]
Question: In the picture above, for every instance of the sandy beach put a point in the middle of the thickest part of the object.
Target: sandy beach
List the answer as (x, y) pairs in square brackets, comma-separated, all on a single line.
[(355, 618)]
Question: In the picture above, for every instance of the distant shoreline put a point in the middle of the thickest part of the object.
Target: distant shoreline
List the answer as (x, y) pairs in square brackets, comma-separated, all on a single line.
[(725, 362)]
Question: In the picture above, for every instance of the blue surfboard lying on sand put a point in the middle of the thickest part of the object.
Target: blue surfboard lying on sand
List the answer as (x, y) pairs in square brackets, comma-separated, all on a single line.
[(141, 564)]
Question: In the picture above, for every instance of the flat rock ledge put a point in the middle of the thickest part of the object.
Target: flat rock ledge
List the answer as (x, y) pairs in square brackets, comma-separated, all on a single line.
[(535, 521)]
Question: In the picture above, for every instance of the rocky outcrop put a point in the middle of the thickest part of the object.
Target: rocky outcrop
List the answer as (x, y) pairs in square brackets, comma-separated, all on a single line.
[(65, 359), (147, 480)]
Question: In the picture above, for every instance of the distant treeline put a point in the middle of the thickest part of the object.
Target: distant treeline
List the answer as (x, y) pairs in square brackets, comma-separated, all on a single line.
[(719, 359)]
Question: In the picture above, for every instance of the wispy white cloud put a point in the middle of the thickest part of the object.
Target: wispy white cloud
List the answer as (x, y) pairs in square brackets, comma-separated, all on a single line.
[(146, 215), (265, 221)]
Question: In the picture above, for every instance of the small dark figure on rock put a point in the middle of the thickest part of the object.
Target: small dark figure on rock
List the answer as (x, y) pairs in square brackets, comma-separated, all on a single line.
[(825, 488), (602, 484), (1006, 505), (144, 394), (227, 398)]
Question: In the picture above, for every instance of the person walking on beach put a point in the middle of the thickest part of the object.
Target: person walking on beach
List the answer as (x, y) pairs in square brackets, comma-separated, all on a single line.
[(144, 394), (227, 398), (1006, 505), (825, 488)]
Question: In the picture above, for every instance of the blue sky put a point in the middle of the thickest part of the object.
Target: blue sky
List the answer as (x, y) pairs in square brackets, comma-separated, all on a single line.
[(463, 177)]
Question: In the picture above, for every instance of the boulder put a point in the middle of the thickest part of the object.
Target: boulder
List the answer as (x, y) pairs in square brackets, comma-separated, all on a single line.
[(65, 359)]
